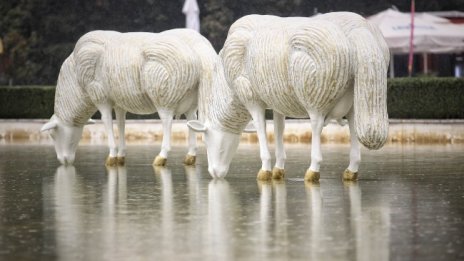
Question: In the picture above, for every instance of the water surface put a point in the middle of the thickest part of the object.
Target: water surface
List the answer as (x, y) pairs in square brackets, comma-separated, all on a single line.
[(407, 205)]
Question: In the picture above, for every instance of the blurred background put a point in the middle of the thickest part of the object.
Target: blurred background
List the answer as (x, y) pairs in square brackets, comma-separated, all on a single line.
[(37, 35)]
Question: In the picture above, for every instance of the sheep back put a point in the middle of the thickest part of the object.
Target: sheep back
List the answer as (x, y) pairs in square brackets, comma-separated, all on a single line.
[(138, 72)]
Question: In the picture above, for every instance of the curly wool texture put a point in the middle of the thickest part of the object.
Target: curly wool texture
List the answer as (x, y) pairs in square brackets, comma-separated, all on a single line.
[(219, 106), (137, 72), (301, 65), (72, 103), (370, 82)]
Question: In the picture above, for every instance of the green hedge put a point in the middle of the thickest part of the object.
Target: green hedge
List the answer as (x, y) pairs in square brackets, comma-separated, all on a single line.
[(26, 102), (408, 98), (426, 98), (36, 102)]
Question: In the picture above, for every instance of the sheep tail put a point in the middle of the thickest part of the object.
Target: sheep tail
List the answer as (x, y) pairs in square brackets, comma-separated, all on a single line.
[(370, 89)]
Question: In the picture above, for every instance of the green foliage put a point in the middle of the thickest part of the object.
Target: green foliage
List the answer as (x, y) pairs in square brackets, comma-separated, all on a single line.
[(39, 34), (26, 102), (426, 98), (216, 22), (408, 98)]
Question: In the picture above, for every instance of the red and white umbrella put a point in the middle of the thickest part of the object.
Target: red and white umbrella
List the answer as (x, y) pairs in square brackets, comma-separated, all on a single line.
[(432, 34)]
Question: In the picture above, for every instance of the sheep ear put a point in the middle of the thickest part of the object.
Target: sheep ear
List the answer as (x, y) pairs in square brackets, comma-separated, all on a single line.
[(250, 128), (49, 125), (90, 121), (196, 126)]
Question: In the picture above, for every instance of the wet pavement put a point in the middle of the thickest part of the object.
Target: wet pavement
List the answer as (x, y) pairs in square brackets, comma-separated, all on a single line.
[(407, 205)]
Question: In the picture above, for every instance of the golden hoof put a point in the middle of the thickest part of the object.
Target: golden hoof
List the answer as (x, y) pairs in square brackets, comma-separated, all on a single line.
[(111, 161), (190, 159), (121, 161), (312, 176), (349, 175), (278, 173), (264, 175), (159, 161)]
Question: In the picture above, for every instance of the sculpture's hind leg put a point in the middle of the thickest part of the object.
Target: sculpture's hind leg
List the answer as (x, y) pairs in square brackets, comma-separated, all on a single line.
[(166, 119), (192, 140), (317, 123), (107, 118), (121, 119), (351, 173), (257, 113), (279, 126)]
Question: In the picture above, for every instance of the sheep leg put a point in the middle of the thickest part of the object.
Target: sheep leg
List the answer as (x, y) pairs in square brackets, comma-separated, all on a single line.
[(166, 119), (107, 118), (257, 113), (121, 119), (192, 140), (279, 126), (351, 173), (317, 123)]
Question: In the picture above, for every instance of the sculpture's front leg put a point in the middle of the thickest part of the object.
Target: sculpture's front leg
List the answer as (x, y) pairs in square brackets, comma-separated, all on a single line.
[(190, 158), (121, 119), (279, 126), (257, 113), (166, 120), (107, 118)]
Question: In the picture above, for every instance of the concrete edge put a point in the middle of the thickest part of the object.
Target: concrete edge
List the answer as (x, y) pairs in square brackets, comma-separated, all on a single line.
[(296, 131)]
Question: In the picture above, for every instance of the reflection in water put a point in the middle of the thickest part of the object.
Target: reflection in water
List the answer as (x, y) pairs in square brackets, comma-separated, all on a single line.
[(194, 190), (69, 221), (167, 209), (314, 197), (213, 233), (139, 212), (114, 199), (264, 220), (371, 227), (220, 220), (281, 219)]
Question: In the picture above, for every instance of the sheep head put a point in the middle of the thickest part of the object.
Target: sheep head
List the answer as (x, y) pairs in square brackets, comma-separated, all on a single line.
[(65, 138), (220, 146)]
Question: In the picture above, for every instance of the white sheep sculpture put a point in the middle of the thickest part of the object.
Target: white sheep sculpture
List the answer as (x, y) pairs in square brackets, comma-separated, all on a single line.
[(141, 73), (328, 67)]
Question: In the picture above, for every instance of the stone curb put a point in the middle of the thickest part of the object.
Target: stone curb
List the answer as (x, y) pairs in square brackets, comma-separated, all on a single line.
[(296, 131)]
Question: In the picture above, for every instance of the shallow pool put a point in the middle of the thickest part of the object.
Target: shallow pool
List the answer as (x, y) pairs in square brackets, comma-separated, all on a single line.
[(407, 205)]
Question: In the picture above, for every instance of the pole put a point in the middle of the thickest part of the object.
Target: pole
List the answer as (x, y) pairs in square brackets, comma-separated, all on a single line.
[(392, 65), (411, 40), (426, 63)]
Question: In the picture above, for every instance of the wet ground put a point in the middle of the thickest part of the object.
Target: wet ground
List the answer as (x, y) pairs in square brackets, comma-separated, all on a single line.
[(407, 205)]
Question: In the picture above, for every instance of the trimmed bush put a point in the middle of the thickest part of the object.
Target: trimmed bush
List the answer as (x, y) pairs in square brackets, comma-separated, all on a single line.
[(26, 102), (426, 98), (37, 102), (408, 98)]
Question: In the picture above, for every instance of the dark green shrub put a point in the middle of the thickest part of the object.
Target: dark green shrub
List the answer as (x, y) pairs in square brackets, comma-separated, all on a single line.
[(408, 98), (36, 102), (26, 102), (426, 98)]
